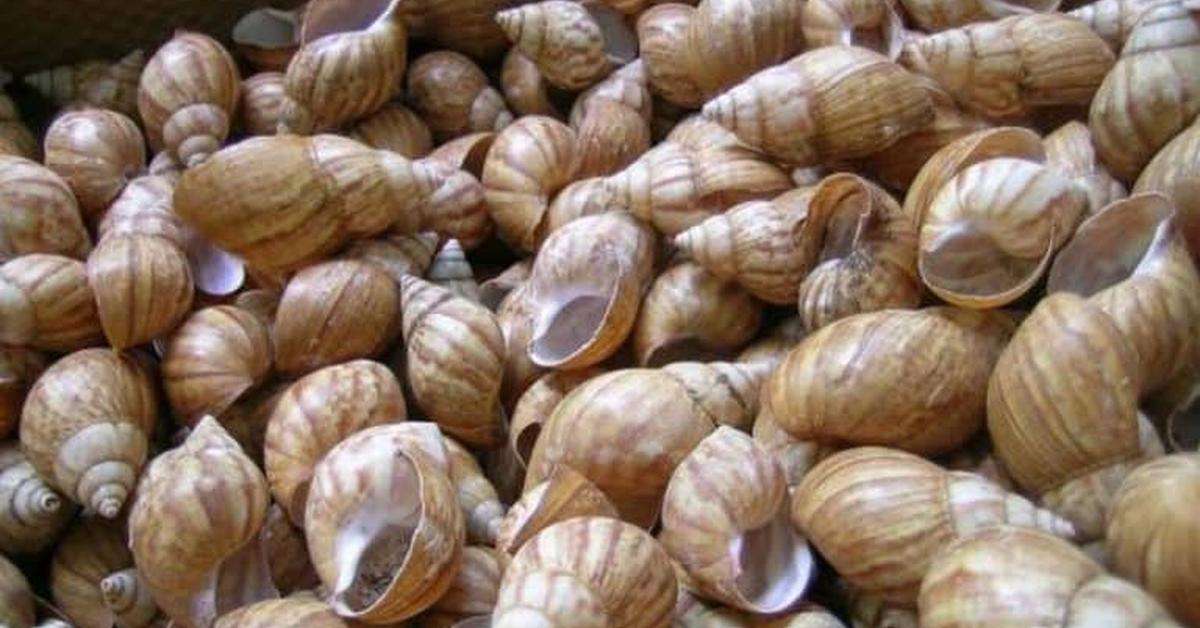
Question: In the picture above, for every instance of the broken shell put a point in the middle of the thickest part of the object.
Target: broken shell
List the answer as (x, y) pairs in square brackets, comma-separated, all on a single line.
[(32, 514), (1070, 150), (565, 494), (396, 128), (96, 152), (46, 303), (38, 212), (452, 96), (261, 106)]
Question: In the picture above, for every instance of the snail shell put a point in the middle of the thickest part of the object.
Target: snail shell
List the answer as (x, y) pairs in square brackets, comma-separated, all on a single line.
[(452, 270), (19, 367), (47, 304), (143, 285), (1114, 20), (728, 40), (86, 425), (95, 83), (482, 511), (474, 588), (935, 15), (187, 97), (287, 553), (1070, 150), (397, 255), (573, 44), (612, 120), (32, 513), (262, 103), (16, 598), (796, 457), (565, 494), (525, 89), (38, 212), (663, 38), (96, 152), (396, 128), (15, 138), (293, 612), (453, 96), (515, 316), (91, 550), (536, 405), (468, 26), (1174, 172), (128, 598)]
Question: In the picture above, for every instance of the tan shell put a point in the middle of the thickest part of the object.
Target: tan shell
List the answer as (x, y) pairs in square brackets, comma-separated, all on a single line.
[(612, 120), (143, 287), (32, 514), (198, 568), (1114, 20), (46, 303), (936, 15), (691, 314), (454, 361), (294, 612), (95, 83), (1023, 577), (397, 255), (524, 88), (1150, 94), (842, 102), (1174, 172), (482, 510), (796, 457), (990, 233), (363, 45), (587, 572), (396, 128), (475, 586), (38, 212), (452, 270), (384, 529), (463, 211), (690, 613), (880, 515), (568, 41), (862, 249), (1070, 150), (19, 367), (17, 607), (585, 288), (15, 138), (187, 97), (914, 380), (565, 494), (725, 520), (771, 348), (261, 106), (333, 312), (1152, 542), (287, 553), (86, 425), (663, 39), (536, 405), (316, 413), (268, 38), (872, 24), (452, 95), (1007, 68), (96, 152), (91, 550)]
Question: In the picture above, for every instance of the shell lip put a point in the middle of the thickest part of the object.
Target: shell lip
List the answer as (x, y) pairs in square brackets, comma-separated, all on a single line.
[(955, 292), (323, 18), (787, 566), (565, 333)]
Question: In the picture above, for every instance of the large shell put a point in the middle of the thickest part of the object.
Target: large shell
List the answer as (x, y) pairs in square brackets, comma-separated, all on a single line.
[(395, 128), (536, 405), (362, 44), (46, 303), (453, 96), (1152, 541), (38, 212), (86, 427), (16, 598), (1021, 577), (333, 312), (880, 515), (725, 519), (663, 39), (187, 97), (862, 249), (872, 24), (90, 551), (143, 285), (612, 120), (1007, 68), (915, 380), (96, 83), (828, 104), (585, 288), (19, 367), (587, 572), (199, 567), (573, 44), (455, 361), (316, 413), (1175, 171), (1070, 150), (384, 529), (32, 514), (468, 26), (293, 612), (990, 233), (691, 314), (96, 152), (262, 103), (565, 494)]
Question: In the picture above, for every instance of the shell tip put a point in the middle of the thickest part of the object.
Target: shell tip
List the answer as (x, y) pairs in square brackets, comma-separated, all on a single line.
[(109, 507)]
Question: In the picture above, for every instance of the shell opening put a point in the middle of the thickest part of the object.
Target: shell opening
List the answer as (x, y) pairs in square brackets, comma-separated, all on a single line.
[(1109, 246), (329, 17), (375, 541), (568, 329), (775, 565), (620, 41), (267, 28), (214, 271), (964, 259)]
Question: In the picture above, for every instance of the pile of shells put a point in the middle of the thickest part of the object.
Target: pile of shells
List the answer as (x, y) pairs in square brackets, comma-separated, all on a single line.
[(620, 314)]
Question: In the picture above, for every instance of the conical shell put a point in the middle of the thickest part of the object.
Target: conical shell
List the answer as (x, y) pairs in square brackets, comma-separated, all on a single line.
[(1150, 94), (129, 599), (1070, 150), (1020, 577), (728, 40), (1007, 68), (397, 255), (990, 233), (17, 607), (570, 46), (333, 312), (46, 303), (880, 515), (38, 212), (199, 567), (96, 83), (586, 285), (316, 413), (725, 519), (455, 361), (32, 514), (143, 286), (343, 44), (753, 244), (914, 380), (187, 97), (383, 526), (871, 24), (862, 249), (452, 96), (691, 314), (293, 612), (86, 426), (262, 104), (1062, 408), (96, 152), (587, 572), (564, 495), (1114, 20), (1152, 542), (395, 128), (19, 367), (828, 104), (451, 270), (90, 551), (474, 589), (536, 405), (1175, 171)]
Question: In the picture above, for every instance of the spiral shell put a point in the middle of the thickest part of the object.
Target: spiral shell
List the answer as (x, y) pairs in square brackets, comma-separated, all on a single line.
[(95, 83), (663, 39), (32, 514), (473, 591), (587, 572), (452, 270), (38, 212), (515, 316), (397, 255), (612, 121), (880, 515), (46, 303), (128, 598), (1174, 172), (96, 152), (796, 457), (565, 494), (568, 41), (936, 15), (396, 128), (262, 103), (872, 24), (91, 550), (1070, 150), (453, 96)]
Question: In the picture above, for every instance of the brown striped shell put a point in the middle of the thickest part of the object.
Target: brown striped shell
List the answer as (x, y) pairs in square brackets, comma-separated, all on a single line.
[(452, 95), (294, 612), (262, 103), (565, 494), (1070, 149), (46, 303), (96, 152), (38, 212), (19, 367), (1174, 172), (396, 128)]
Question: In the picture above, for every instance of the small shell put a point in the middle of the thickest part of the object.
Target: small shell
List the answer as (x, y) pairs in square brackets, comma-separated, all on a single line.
[(537, 404), (96, 152), (452, 96), (914, 380), (1070, 150), (938, 15), (268, 38), (32, 514), (1021, 577), (568, 41), (96, 83), (690, 314), (19, 367), (880, 515), (397, 255), (990, 233), (199, 567), (455, 361), (316, 413), (46, 303), (725, 519), (396, 128), (16, 598), (262, 103), (564, 495), (187, 97), (525, 88), (452, 270), (1114, 20), (333, 312), (293, 612), (587, 572), (474, 588), (1175, 171), (129, 600), (872, 24), (143, 286), (91, 550), (1151, 541), (38, 212), (384, 529)]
